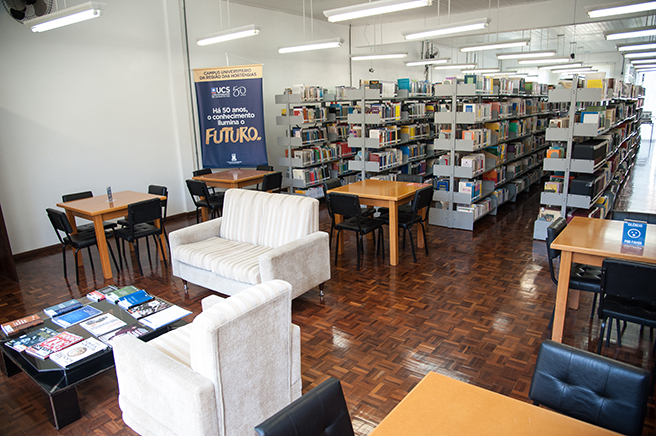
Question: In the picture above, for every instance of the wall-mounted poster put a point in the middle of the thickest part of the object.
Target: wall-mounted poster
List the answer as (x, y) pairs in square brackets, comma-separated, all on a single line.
[(231, 116)]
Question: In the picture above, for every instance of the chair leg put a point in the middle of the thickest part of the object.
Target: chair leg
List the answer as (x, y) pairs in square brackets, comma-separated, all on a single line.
[(412, 244), (337, 245), (382, 242), (423, 230), (619, 333), (161, 248), (601, 334), (77, 272), (610, 330), (90, 258), (359, 243), (594, 305), (112, 253), (135, 245), (64, 258)]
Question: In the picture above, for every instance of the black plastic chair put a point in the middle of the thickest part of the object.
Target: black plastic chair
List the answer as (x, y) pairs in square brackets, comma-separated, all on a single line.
[(272, 182), (202, 172), (163, 192), (85, 227), (583, 277), (410, 178), (263, 168), (348, 205), (420, 201), (320, 412), (589, 387), (332, 184), (78, 241), (628, 292), (201, 196), (141, 217)]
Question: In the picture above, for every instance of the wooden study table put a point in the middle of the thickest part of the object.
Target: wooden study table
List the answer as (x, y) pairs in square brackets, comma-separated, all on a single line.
[(590, 241), (383, 193), (231, 179), (98, 209), (440, 405)]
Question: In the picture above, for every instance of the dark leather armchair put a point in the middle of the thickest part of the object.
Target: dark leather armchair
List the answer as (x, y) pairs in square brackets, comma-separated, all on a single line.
[(590, 387), (320, 412)]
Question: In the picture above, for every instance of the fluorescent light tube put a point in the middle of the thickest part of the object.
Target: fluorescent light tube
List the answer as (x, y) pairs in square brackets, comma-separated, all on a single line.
[(642, 46), (483, 70), (495, 45), (526, 55), (427, 62), (313, 45), (631, 33), (575, 70), (543, 61), (639, 54), (373, 8), (621, 10), (644, 67), (551, 67), (65, 17), (504, 73), (455, 67), (229, 34), (643, 61), (378, 56), (449, 29)]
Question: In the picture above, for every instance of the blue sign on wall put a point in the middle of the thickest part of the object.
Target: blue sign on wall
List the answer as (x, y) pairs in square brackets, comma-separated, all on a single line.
[(231, 116), (634, 233)]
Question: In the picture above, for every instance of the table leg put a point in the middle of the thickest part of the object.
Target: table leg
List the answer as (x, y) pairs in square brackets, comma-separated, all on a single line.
[(420, 238), (204, 214), (71, 220), (102, 246), (63, 408), (561, 296), (162, 238), (394, 233), (339, 219)]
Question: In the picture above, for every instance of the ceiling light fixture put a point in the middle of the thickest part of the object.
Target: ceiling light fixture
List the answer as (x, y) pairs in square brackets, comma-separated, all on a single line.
[(495, 45), (427, 62), (504, 73), (448, 29), (575, 70), (641, 46), (636, 32), (543, 61), (645, 67), (229, 34), (373, 8), (518, 76), (483, 70), (526, 55), (65, 17), (639, 54), (313, 45), (455, 67), (378, 56), (551, 67), (643, 61), (621, 10)]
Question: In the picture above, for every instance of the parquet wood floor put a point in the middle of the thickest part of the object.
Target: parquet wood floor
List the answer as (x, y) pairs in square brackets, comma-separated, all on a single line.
[(476, 309)]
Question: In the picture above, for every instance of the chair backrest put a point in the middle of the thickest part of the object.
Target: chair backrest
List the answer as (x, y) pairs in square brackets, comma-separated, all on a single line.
[(328, 185), (202, 172), (59, 222), (272, 181), (554, 229), (198, 189), (264, 168), (243, 344), (163, 191), (77, 196), (413, 178), (347, 205), (144, 211), (423, 198), (590, 387), (635, 281), (322, 411)]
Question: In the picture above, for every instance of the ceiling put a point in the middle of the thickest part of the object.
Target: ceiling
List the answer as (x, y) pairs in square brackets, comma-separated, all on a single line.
[(581, 39)]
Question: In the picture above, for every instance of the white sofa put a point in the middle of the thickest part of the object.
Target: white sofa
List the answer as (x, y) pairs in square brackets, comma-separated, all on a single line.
[(235, 365), (260, 237)]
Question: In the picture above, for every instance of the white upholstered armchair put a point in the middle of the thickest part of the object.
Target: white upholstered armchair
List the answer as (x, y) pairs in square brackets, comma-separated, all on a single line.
[(235, 365)]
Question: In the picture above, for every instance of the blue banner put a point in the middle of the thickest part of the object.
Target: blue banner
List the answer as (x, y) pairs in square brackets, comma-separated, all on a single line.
[(231, 116)]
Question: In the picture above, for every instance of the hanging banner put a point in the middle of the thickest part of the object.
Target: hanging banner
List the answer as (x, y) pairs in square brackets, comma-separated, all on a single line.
[(231, 116)]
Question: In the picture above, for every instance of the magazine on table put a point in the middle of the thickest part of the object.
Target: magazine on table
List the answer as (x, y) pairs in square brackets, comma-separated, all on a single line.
[(31, 338), (62, 308), (77, 352), (164, 317), (18, 325), (102, 324), (101, 293), (114, 296), (148, 308), (76, 316), (53, 344), (132, 330), (134, 298)]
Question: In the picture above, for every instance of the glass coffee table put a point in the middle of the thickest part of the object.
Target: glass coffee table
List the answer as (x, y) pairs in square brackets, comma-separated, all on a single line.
[(59, 384)]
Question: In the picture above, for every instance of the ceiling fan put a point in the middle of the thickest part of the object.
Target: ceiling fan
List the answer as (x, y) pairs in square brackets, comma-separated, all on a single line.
[(22, 10)]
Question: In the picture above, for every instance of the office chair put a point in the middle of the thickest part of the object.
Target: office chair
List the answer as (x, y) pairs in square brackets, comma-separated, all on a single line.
[(589, 387)]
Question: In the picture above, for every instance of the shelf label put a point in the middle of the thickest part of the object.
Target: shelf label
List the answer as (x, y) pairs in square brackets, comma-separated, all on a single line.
[(634, 233)]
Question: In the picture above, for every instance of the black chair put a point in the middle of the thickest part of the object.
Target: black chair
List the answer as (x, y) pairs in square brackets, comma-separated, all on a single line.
[(202, 198), (583, 277), (202, 172), (628, 292), (348, 205), (272, 182), (422, 200), (263, 168), (589, 387), (162, 191), (410, 178), (141, 215), (85, 227), (332, 184), (320, 412), (78, 241)]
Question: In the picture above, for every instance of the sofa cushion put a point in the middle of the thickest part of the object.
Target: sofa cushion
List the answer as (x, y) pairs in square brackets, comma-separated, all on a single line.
[(242, 215), (176, 344), (230, 259)]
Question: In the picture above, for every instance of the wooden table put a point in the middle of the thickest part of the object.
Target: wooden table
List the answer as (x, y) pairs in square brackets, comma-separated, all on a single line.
[(590, 241), (98, 209), (440, 405), (383, 193)]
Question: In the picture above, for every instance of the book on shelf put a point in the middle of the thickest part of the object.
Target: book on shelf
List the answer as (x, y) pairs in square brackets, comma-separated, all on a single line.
[(31, 338), (19, 325), (148, 308), (77, 352), (62, 308), (134, 298), (132, 330), (164, 317), (53, 344), (102, 324), (114, 296), (76, 316)]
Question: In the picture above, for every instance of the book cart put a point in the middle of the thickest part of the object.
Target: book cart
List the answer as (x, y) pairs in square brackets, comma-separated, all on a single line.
[(502, 162), (613, 140)]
